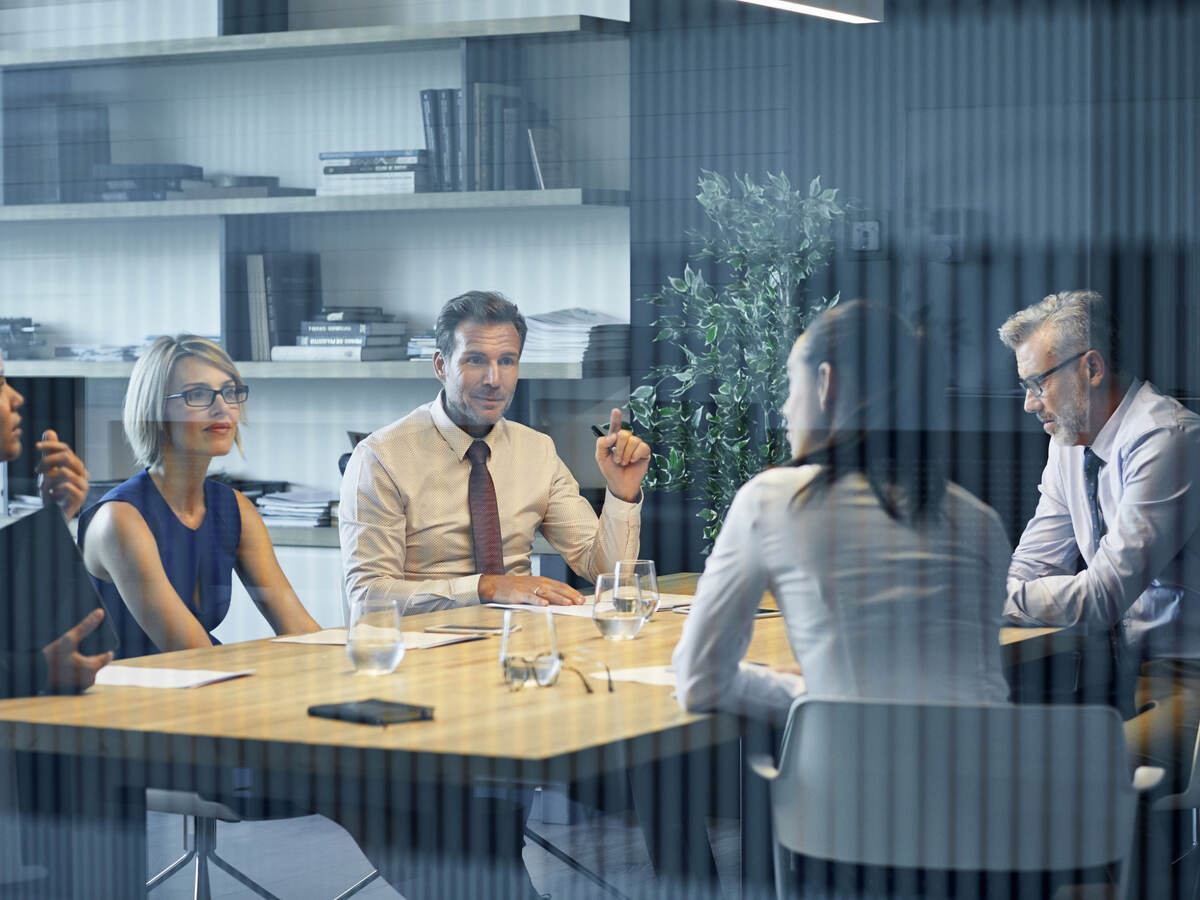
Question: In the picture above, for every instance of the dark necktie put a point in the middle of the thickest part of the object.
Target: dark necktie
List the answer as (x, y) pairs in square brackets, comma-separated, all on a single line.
[(485, 515), (1091, 477)]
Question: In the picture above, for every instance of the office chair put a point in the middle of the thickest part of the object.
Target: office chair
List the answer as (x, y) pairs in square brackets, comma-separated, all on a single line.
[(1189, 799), (945, 788), (205, 814)]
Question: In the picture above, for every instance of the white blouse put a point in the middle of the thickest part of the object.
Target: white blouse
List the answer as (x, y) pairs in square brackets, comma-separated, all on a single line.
[(872, 607)]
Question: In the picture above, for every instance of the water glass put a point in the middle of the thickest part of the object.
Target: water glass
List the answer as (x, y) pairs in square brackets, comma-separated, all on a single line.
[(374, 638), (647, 578), (620, 609), (529, 649)]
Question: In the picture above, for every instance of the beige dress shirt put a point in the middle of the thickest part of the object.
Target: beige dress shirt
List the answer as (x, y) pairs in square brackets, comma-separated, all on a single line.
[(405, 525)]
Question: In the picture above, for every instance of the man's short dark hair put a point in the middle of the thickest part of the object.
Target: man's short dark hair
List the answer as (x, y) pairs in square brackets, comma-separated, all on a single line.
[(485, 307)]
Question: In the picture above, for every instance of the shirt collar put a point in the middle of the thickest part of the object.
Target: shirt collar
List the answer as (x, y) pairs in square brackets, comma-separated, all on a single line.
[(457, 439), (1102, 445)]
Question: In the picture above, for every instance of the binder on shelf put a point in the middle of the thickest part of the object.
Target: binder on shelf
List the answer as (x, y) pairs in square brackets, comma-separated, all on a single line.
[(482, 143), (50, 150), (447, 139), (283, 290), (431, 119), (550, 169)]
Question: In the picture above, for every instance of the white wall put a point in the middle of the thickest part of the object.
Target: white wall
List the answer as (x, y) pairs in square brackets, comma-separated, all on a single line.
[(34, 24), (113, 282)]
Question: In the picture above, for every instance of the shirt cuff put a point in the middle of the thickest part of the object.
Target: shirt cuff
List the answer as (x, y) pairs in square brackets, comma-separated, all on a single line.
[(622, 508)]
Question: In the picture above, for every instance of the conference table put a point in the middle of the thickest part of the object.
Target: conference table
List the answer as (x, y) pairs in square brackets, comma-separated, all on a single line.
[(128, 738)]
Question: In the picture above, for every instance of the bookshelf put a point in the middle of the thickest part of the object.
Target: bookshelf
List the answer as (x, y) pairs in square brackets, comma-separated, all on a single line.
[(267, 104), (114, 272), (308, 43), (464, 201), (401, 370)]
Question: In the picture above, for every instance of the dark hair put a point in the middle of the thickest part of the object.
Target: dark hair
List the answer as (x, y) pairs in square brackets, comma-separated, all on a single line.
[(890, 386), (485, 307)]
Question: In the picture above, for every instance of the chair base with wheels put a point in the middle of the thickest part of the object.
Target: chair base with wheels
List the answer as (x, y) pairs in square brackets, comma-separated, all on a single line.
[(204, 815)]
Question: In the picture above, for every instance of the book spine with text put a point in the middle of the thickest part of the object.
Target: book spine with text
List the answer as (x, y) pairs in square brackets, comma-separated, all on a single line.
[(352, 329)]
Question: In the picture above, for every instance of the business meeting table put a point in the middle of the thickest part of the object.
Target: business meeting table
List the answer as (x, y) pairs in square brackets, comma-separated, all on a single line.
[(133, 737)]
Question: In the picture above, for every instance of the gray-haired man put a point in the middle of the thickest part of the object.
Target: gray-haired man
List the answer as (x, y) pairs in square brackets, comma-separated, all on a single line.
[(1121, 488)]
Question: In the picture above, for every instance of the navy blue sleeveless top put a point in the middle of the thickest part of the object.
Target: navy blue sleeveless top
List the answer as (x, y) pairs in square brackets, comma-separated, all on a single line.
[(203, 557)]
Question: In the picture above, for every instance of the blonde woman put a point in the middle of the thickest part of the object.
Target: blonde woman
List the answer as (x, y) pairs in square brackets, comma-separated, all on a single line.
[(162, 547)]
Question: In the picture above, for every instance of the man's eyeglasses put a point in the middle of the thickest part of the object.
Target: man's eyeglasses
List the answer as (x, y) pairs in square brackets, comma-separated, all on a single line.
[(543, 670), (1036, 384), (203, 398)]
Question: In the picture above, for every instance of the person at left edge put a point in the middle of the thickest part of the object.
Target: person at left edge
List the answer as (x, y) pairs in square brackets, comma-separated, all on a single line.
[(162, 547), (58, 667)]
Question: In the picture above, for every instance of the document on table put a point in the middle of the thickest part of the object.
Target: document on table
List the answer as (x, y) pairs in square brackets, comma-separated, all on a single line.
[(413, 640), (659, 676), (584, 610), (131, 676)]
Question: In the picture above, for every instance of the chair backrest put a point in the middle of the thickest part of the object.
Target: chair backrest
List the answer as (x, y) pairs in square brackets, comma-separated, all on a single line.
[(948, 786)]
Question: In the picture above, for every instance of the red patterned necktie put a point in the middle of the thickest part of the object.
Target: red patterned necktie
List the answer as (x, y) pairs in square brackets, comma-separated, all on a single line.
[(485, 516)]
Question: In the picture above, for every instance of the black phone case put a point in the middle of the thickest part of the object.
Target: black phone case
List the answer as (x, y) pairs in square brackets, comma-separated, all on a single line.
[(372, 712)]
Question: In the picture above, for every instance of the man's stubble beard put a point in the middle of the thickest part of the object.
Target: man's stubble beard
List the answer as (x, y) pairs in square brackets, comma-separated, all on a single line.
[(1072, 420)]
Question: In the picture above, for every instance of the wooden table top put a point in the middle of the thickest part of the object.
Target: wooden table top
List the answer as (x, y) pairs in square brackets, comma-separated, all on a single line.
[(477, 717)]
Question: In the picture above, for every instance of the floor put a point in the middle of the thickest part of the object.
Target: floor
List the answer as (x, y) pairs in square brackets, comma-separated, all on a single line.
[(313, 857)]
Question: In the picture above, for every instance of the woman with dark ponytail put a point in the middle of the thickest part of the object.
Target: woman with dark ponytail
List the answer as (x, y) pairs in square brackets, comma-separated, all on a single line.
[(890, 578)]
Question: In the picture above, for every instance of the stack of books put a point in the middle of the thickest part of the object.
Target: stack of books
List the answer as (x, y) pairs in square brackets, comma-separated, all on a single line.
[(98, 352), (356, 333), (421, 346), (19, 338), (374, 172), (119, 182), (222, 186), (303, 508), (576, 335), (490, 137)]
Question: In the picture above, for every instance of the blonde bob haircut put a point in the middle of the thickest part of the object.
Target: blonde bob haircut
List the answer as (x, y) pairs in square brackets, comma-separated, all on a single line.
[(145, 419)]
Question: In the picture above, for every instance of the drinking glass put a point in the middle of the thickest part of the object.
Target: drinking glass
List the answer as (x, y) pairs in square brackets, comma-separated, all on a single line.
[(529, 649), (620, 609), (374, 638), (647, 578)]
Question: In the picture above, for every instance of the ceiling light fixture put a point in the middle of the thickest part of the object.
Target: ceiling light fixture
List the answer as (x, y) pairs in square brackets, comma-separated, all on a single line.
[(857, 12)]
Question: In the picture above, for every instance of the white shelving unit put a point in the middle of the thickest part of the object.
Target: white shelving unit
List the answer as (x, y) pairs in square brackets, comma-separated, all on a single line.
[(462, 201), (114, 273), (406, 370), (308, 43)]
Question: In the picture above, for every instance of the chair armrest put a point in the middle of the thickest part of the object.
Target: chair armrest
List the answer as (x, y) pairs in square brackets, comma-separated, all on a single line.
[(763, 766), (1147, 777)]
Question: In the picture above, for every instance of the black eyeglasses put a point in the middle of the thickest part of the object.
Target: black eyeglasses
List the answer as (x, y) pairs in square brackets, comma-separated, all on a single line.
[(203, 398), (1036, 384)]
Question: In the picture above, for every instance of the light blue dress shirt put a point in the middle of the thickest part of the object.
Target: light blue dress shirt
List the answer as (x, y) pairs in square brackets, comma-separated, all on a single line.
[(872, 607), (1144, 572)]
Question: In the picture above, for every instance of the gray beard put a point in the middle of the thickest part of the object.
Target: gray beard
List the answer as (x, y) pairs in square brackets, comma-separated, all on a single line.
[(1071, 422)]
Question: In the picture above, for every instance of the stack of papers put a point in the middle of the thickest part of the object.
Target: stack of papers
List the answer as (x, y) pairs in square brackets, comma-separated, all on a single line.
[(576, 335), (302, 508)]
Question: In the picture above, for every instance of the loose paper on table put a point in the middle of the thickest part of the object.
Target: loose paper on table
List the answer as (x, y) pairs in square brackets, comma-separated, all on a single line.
[(413, 640), (132, 676)]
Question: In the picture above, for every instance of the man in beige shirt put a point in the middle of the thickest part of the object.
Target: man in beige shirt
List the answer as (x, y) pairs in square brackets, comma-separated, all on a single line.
[(405, 521)]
